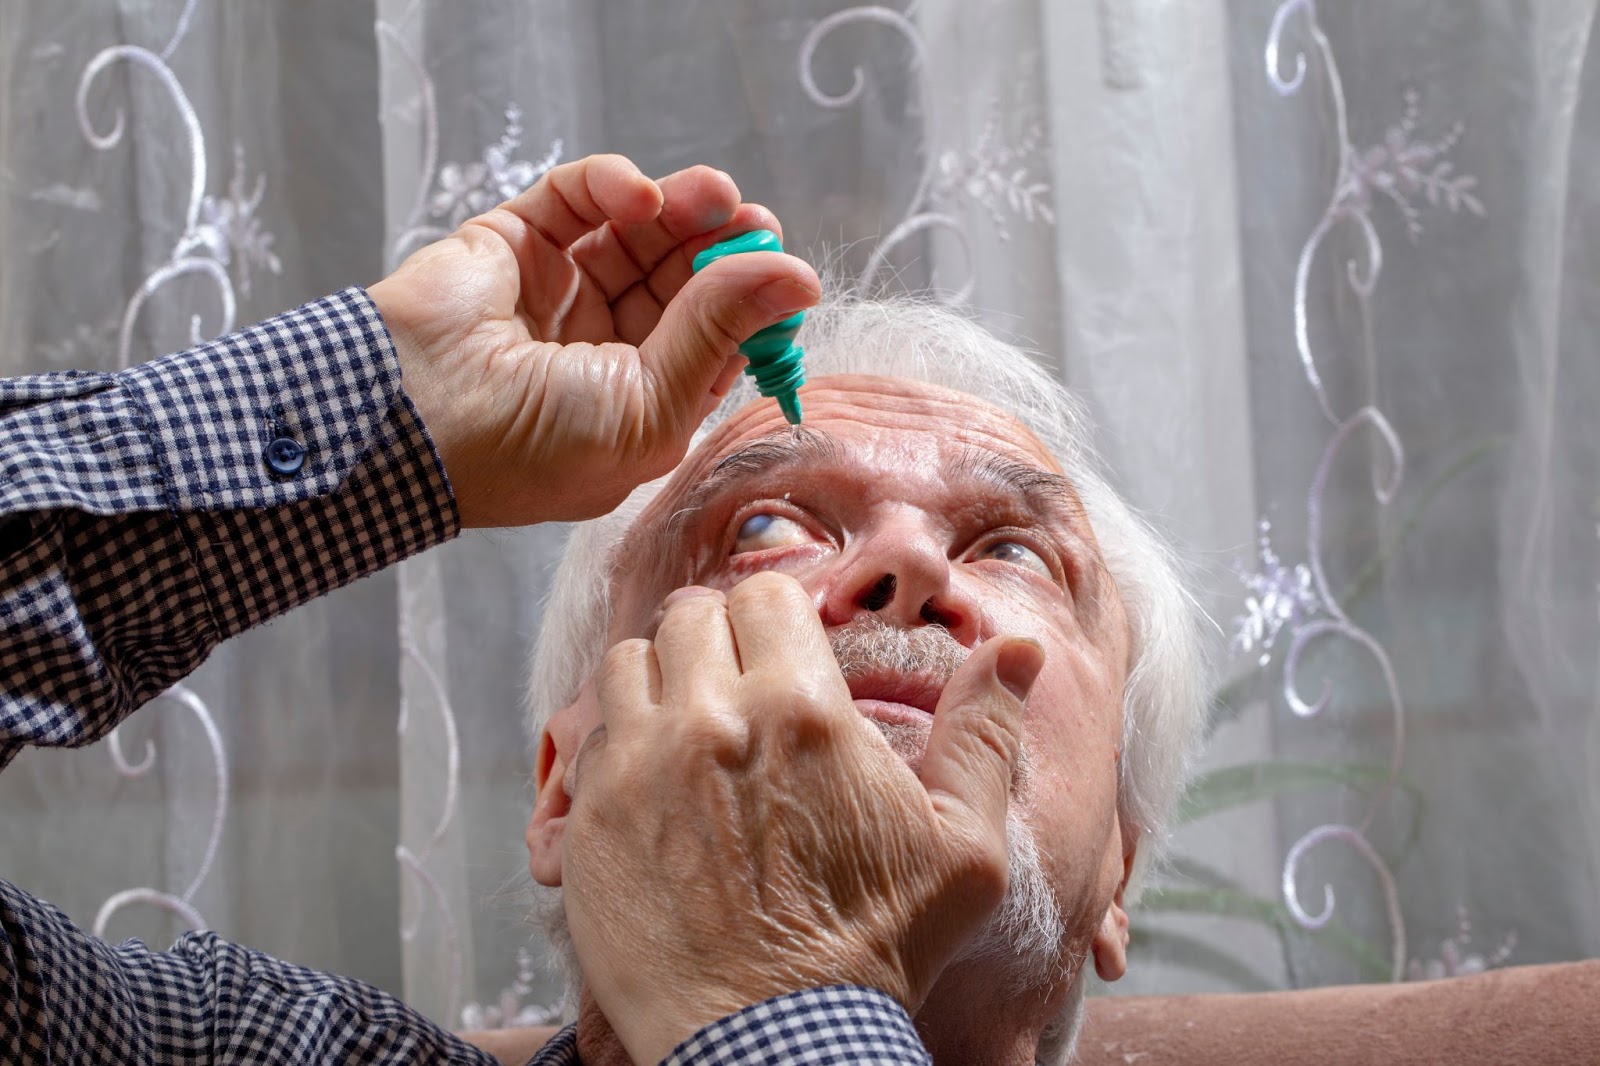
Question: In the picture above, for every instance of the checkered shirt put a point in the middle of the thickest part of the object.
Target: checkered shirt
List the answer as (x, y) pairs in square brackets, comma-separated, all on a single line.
[(141, 523), (841, 1025), (147, 516)]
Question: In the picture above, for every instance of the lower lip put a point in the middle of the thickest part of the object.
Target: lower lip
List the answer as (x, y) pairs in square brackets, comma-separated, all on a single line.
[(893, 713)]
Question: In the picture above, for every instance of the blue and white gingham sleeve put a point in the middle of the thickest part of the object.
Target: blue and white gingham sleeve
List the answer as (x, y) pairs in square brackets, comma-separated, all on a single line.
[(68, 997), (840, 1025), (147, 516)]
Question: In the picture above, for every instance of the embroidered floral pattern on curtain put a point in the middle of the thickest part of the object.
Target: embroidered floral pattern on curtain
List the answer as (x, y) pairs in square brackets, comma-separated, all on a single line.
[(1192, 210)]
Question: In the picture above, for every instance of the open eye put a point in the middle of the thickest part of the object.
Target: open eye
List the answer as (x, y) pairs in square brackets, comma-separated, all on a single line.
[(762, 531), (1010, 551)]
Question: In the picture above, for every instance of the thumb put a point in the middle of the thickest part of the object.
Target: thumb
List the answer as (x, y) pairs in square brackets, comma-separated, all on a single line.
[(976, 738), (701, 328)]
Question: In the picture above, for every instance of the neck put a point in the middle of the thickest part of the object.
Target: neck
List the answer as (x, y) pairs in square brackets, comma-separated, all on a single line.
[(597, 1042), (974, 1015), (962, 1021)]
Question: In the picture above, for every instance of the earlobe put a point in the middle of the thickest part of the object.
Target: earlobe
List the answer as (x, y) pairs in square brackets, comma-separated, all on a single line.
[(1111, 939), (548, 824), (1111, 942)]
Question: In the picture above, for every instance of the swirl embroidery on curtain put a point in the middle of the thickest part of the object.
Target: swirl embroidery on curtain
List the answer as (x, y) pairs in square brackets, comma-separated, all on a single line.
[(991, 174), (419, 659), (215, 232), (416, 660), (1299, 599), (182, 904), (446, 196)]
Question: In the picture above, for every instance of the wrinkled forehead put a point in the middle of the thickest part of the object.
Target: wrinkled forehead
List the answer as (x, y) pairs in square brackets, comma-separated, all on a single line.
[(864, 404)]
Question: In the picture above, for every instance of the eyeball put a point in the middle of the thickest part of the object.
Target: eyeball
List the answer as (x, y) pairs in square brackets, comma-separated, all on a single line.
[(1009, 551), (763, 531)]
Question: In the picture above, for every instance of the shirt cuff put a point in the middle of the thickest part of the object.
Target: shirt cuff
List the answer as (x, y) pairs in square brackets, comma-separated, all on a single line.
[(326, 475), (839, 1023), (319, 382)]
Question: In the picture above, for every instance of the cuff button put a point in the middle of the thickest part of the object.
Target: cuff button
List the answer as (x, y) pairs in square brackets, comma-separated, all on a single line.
[(286, 456)]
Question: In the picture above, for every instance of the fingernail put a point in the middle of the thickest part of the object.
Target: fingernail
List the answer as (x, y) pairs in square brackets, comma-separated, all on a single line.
[(785, 296), (1018, 665), (715, 217)]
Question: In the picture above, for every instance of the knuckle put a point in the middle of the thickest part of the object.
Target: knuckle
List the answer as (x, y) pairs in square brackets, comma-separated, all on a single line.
[(808, 713), (688, 608), (722, 738)]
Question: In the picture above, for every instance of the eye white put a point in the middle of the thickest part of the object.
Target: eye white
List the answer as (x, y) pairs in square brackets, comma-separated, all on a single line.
[(762, 531), (1009, 551)]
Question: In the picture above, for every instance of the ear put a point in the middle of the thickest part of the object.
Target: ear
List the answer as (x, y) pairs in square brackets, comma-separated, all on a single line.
[(550, 807), (558, 746), (1110, 945)]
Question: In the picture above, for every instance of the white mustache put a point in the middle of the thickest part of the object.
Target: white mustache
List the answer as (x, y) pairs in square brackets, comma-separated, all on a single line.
[(870, 644)]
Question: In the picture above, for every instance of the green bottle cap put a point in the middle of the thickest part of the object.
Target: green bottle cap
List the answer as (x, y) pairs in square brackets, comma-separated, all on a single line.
[(775, 360)]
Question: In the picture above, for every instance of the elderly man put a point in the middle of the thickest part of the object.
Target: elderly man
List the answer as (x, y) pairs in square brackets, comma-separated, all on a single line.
[(540, 364), (939, 496)]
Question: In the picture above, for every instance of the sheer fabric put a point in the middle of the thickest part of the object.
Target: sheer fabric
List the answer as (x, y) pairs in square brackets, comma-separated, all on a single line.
[(1323, 272)]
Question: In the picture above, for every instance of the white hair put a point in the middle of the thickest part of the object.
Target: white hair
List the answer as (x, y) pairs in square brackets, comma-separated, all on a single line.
[(1163, 706)]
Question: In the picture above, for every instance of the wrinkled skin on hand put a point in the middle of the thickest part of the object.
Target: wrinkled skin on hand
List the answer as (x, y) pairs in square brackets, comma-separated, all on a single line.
[(772, 839), (560, 348)]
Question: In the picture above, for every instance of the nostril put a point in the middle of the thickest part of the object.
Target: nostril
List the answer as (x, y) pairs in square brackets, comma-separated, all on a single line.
[(935, 617), (878, 597)]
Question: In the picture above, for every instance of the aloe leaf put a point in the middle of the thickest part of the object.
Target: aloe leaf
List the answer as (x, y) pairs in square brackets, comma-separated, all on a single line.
[(1245, 783), (1369, 960), (1195, 872), (1369, 573)]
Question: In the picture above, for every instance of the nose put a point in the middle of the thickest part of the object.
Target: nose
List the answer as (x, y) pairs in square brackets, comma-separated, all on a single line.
[(902, 574)]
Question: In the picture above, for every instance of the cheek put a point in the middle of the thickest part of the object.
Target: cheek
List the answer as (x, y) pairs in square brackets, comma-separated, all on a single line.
[(1013, 602), (1074, 733)]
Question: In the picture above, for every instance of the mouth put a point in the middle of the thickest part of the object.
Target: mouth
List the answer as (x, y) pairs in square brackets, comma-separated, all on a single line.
[(896, 697)]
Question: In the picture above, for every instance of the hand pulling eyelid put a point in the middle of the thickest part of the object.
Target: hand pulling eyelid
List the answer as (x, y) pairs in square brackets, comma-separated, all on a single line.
[(775, 360)]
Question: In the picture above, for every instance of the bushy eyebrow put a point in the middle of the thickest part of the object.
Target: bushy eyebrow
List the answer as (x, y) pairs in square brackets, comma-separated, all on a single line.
[(1040, 490), (797, 447)]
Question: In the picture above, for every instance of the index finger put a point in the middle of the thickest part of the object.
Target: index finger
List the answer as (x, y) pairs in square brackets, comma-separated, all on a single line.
[(576, 198), (619, 255), (779, 632)]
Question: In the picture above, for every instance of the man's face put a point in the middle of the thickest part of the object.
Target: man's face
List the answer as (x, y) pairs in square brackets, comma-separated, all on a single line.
[(931, 513)]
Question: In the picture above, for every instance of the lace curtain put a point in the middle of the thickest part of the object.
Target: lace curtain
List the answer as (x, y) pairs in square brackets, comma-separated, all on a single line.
[(1325, 274)]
